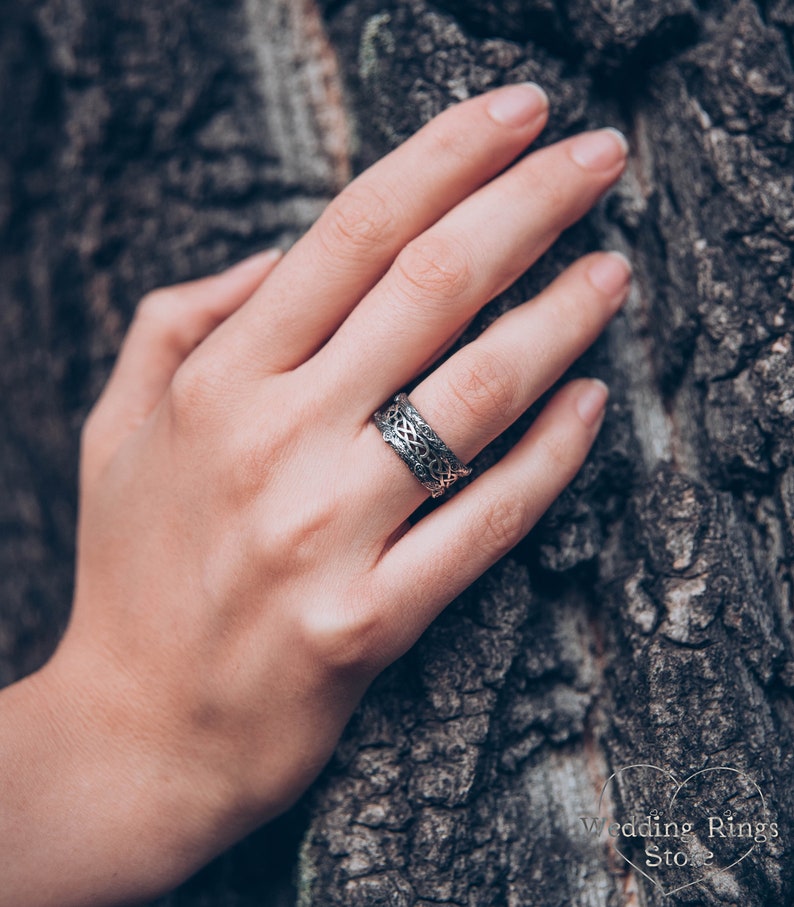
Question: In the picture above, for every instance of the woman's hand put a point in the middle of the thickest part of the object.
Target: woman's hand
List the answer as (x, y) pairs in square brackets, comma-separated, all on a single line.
[(245, 564)]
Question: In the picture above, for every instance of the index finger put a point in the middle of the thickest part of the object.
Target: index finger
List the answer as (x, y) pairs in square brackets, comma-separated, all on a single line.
[(354, 242)]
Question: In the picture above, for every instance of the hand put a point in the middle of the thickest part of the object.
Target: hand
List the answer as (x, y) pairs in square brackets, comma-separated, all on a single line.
[(246, 566)]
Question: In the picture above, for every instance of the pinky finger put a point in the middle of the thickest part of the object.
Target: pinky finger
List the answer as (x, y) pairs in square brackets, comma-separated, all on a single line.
[(169, 324), (447, 550)]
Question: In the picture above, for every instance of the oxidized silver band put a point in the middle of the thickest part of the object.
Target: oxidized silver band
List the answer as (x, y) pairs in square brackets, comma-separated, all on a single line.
[(419, 447)]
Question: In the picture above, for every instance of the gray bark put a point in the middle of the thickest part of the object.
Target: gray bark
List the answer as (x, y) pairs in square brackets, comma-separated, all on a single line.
[(648, 619)]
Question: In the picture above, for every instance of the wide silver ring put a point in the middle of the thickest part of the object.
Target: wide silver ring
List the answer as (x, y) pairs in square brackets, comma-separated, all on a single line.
[(418, 446)]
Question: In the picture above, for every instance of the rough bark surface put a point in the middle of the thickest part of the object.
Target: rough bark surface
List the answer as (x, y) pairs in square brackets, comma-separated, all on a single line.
[(648, 619)]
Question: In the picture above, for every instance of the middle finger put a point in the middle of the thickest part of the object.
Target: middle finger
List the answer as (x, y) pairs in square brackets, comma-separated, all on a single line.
[(485, 386), (443, 277)]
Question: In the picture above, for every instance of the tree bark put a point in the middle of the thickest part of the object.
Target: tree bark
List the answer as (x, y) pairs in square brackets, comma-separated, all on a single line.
[(648, 619)]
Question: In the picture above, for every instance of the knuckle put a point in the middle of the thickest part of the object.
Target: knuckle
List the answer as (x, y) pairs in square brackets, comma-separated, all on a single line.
[(158, 304), (503, 525), (195, 392), (342, 637), (548, 194), (487, 387), (584, 312), (359, 220), (161, 312), (435, 268), (559, 455), (448, 140)]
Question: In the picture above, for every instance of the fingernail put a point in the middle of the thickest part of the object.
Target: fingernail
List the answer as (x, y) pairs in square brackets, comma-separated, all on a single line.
[(610, 273), (591, 402), (600, 150), (517, 105)]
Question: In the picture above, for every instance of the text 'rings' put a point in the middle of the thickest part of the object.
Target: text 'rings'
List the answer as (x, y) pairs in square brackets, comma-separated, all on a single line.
[(419, 447)]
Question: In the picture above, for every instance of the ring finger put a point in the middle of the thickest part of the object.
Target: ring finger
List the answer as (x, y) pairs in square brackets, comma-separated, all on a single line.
[(488, 384), (444, 276)]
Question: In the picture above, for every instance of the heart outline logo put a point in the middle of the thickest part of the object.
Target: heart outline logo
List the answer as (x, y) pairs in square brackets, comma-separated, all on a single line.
[(678, 787)]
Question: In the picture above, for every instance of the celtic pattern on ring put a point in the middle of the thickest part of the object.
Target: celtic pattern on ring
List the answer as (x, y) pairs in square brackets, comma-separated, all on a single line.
[(420, 448)]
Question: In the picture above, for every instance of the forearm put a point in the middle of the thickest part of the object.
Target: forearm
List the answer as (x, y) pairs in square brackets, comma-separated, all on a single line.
[(86, 817)]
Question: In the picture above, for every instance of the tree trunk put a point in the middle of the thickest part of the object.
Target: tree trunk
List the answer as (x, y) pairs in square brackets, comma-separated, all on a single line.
[(648, 619)]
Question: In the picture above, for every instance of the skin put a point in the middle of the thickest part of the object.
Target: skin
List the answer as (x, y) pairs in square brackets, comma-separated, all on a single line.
[(245, 562)]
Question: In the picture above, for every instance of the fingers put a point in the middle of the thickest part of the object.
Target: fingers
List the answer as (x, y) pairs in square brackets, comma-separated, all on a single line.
[(168, 325), (484, 387), (477, 250), (363, 229), (447, 550), (487, 385)]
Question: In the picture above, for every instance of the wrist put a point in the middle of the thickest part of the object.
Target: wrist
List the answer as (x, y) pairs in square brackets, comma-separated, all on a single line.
[(91, 810)]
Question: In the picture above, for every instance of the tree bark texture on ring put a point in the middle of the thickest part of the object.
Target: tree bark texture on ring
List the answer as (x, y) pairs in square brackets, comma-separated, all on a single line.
[(648, 619)]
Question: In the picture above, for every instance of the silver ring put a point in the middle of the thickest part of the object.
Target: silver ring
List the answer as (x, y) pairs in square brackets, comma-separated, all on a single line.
[(418, 446)]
